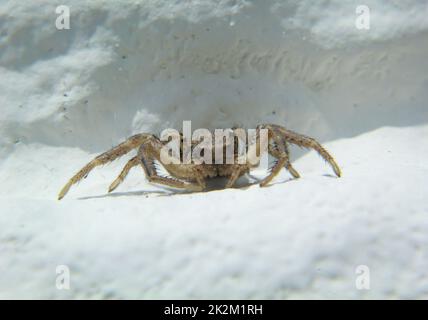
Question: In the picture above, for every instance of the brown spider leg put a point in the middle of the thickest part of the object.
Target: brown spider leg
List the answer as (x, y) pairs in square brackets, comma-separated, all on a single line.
[(283, 152), (129, 165), (174, 183), (148, 154), (275, 170), (234, 176), (280, 151), (199, 179), (306, 142), (108, 156)]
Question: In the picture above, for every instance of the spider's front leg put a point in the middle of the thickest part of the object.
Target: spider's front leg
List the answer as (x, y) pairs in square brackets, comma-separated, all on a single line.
[(278, 138), (237, 172), (151, 151), (130, 164), (278, 148), (118, 151)]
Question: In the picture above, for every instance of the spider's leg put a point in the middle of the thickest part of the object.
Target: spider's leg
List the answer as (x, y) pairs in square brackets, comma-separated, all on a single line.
[(199, 179), (278, 148), (118, 151), (175, 183), (148, 153), (274, 171), (306, 142), (129, 165), (237, 172), (281, 151)]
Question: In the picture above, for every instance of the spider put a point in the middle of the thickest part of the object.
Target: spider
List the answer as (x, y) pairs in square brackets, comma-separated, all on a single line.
[(192, 176)]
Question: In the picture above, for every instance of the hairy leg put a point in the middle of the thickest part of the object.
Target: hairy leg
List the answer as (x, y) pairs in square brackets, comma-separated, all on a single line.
[(278, 148), (304, 141), (281, 151), (274, 171), (118, 151), (151, 151), (129, 165), (237, 172)]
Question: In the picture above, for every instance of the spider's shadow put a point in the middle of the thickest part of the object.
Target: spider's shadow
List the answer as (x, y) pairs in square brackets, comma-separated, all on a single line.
[(157, 193), (214, 184), (329, 175)]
